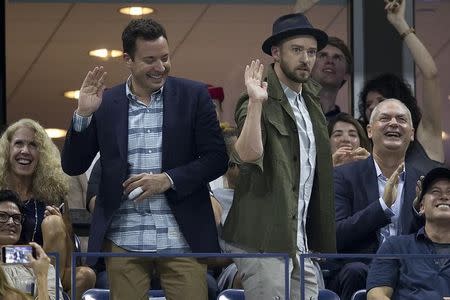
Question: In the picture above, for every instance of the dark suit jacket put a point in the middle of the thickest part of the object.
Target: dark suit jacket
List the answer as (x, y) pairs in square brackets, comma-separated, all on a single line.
[(359, 215), (193, 153)]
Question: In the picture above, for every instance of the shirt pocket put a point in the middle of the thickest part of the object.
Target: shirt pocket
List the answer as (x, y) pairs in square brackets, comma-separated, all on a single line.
[(279, 126)]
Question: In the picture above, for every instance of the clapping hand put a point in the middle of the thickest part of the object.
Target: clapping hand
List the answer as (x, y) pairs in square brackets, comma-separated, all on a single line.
[(390, 191), (346, 154), (416, 202), (91, 92)]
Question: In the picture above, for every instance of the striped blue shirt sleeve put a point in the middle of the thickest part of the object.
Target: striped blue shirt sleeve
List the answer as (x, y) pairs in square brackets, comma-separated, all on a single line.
[(80, 123)]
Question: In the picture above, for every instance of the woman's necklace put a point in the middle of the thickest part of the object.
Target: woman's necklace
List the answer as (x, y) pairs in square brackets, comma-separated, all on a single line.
[(35, 217), (35, 220)]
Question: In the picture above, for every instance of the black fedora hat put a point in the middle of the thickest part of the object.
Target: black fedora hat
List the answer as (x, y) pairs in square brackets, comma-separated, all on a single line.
[(291, 25), (434, 174)]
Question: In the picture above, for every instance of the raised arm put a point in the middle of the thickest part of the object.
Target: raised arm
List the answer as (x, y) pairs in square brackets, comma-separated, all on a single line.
[(91, 92), (249, 145), (302, 6), (429, 130)]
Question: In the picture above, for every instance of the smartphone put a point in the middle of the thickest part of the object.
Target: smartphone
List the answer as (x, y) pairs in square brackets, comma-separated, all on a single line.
[(17, 254), (61, 208)]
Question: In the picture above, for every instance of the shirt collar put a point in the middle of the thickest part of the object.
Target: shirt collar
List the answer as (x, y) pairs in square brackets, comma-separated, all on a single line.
[(378, 170), (422, 235), (156, 95), (290, 93)]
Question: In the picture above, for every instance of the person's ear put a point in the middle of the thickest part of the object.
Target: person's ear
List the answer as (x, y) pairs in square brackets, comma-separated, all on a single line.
[(276, 53), (369, 131), (422, 209), (127, 59)]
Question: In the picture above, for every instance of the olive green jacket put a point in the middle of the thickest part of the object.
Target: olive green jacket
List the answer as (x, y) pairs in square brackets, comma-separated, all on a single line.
[(263, 216)]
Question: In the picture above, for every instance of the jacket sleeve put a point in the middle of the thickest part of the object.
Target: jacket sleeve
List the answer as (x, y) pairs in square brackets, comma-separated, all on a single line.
[(79, 149), (353, 227), (212, 158)]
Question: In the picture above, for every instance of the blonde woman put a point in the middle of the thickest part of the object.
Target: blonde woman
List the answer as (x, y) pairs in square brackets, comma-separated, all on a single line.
[(32, 167)]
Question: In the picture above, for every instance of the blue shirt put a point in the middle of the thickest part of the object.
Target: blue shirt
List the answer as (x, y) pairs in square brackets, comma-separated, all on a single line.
[(411, 278), (394, 211)]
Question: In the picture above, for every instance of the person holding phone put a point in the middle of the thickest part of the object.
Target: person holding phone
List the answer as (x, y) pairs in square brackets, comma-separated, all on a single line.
[(38, 269), (31, 167)]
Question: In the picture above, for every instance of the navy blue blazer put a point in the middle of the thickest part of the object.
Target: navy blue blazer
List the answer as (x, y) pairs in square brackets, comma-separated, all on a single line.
[(193, 154), (359, 215)]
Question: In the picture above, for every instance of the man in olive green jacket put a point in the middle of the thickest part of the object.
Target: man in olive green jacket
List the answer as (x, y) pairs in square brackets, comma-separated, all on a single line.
[(283, 201)]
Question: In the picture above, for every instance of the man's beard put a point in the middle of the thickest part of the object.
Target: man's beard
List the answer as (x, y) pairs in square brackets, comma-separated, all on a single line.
[(292, 75)]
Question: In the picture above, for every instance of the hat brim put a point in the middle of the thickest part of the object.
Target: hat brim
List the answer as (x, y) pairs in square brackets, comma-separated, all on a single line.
[(434, 174), (319, 35)]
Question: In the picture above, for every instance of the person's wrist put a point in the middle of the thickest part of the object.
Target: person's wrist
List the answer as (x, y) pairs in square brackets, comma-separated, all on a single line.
[(407, 32), (255, 103), (401, 26), (83, 113), (41, 275)]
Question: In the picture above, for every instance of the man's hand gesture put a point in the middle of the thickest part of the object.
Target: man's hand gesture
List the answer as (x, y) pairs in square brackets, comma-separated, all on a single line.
[(390, 191), (91, 92), (416, 202), (256, 88)]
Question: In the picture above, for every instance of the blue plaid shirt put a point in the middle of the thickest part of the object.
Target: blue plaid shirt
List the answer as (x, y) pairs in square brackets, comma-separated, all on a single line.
[(148, 225)]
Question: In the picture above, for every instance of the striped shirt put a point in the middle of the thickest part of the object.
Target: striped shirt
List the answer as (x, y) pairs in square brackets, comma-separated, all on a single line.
[(148, 225)]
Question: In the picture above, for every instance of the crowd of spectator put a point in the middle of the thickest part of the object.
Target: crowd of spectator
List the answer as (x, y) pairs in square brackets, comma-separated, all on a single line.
[(298, 176)]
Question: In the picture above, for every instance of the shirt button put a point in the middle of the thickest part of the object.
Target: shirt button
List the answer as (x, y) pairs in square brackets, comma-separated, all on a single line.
[(149, 151), (148, 130)]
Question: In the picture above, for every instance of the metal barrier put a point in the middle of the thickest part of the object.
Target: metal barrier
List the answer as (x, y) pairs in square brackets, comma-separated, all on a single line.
[(284, 256), (56, 256), (356, 255)]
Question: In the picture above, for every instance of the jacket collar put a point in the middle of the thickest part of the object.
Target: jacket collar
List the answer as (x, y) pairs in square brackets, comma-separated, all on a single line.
[(310, 91)]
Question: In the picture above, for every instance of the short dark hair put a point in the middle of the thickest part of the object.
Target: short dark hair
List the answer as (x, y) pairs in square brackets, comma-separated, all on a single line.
[(11, 196), (346, 118), (390, 86), (338, 43), (147, 29)]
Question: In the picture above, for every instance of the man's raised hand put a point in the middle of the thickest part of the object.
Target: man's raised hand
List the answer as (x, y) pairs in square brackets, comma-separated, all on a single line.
[(91, 92), (256, 88)]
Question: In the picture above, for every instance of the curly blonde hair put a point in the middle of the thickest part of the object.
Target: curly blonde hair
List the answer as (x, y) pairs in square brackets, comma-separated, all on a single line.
[(50, 183)]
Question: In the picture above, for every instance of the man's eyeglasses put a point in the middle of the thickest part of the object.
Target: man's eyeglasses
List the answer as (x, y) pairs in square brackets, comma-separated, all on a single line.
[(17, 218)]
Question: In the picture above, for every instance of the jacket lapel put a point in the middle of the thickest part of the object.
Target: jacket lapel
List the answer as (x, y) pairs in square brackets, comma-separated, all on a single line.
[(409, 193), (120, 114), (277, 92), (370, 180), (170, 99)]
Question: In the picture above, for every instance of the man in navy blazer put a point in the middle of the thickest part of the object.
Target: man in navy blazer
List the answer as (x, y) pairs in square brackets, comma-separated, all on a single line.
[(160, 144), (374, 197)]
